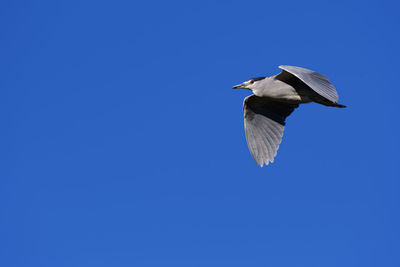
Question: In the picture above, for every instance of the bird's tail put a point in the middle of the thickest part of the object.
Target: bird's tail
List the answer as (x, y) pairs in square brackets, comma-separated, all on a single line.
[(328, 103), (337, 105)]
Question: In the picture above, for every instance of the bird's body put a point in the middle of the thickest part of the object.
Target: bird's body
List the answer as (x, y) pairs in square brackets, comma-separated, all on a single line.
[(274, 99), (276, 89)]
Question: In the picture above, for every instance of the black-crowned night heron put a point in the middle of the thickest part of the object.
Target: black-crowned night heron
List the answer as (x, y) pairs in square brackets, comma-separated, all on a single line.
[(274, 98)]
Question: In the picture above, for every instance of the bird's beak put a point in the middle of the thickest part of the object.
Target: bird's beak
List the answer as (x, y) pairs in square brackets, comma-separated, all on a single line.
[(239, 86)]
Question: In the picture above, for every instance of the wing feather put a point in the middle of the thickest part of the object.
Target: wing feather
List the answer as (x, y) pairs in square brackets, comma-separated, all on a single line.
[(264, 121), (252, 142), (268, 143), (271, 139), (316, 81)]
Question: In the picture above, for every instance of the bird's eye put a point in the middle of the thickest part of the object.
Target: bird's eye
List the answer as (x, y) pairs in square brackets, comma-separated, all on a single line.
[(251, 81)]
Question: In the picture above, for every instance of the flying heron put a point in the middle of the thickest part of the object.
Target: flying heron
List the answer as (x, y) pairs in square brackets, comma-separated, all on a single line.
[(274, 99)]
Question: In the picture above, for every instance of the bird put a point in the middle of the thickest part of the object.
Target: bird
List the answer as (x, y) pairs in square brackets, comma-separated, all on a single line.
[(274, 98)]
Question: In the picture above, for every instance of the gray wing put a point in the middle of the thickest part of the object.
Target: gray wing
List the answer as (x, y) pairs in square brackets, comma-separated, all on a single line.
[(264, 122), (318, 82)]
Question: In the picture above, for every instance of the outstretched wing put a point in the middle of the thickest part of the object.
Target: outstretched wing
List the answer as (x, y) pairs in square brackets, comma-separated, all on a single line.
[(317, 82), (264, 122)]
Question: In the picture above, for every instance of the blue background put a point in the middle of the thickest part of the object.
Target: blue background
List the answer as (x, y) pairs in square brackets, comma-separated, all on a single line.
[(122, 143)]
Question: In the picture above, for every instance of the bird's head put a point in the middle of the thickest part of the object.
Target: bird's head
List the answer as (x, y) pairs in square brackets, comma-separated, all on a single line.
[(249, 84)]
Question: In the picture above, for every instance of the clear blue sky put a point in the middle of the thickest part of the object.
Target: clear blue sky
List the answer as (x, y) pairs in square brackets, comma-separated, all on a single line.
[(122, 143)]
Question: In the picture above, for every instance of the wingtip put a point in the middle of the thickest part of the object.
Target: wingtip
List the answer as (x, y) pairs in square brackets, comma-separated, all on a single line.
[(265, 163)]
